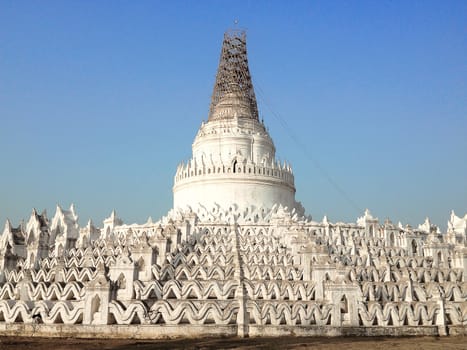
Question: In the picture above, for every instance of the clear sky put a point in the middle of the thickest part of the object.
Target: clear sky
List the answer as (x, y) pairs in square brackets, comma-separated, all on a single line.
[(100, 100)]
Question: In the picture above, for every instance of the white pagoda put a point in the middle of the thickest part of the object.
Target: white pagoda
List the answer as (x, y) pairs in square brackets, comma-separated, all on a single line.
[(233, 159), (235, 256)]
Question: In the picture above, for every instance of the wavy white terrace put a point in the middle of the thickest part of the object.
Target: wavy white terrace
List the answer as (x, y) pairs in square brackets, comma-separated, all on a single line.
[(235, 256)]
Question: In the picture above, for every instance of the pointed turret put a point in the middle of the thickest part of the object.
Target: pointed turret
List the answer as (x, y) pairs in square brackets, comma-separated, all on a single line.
[(64, 222), (7, 236), (233, 94), (8, 226), (109, 224)]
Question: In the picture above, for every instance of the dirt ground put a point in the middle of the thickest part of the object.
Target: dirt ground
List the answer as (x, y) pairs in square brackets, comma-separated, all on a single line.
[(344, 343)]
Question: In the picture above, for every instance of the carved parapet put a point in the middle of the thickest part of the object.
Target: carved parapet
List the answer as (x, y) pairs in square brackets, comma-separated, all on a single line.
[(123, 274), (161, 245), (192, 170), (409, 291), (319, 253), (173, 234), (299, 249), (185, 227), (346, 298), (144, 256), (35, 252), (60, 270), (97, 298), (440, 316), (7, 262), (459, 260), (320, 274), (297, 244), (440, 252), (23, 287), (88, 259)]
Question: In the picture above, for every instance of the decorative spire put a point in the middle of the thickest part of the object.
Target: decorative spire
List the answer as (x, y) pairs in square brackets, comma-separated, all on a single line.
[(233, 94)]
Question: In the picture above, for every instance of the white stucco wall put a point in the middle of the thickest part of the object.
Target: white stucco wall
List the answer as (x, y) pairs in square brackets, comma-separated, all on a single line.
[(233, 162), (260, 191)]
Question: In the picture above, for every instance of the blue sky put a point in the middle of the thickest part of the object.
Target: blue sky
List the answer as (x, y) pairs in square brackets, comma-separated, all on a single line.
[(100, 100)]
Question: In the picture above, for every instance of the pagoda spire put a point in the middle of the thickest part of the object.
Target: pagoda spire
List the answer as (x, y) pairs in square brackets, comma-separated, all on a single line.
[(233, 94)]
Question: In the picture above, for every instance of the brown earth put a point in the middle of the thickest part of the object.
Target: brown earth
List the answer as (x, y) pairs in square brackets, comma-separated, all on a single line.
[(344, 343)]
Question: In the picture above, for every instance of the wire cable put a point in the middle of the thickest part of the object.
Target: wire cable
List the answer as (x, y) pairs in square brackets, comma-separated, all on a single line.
[(307, 152)]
